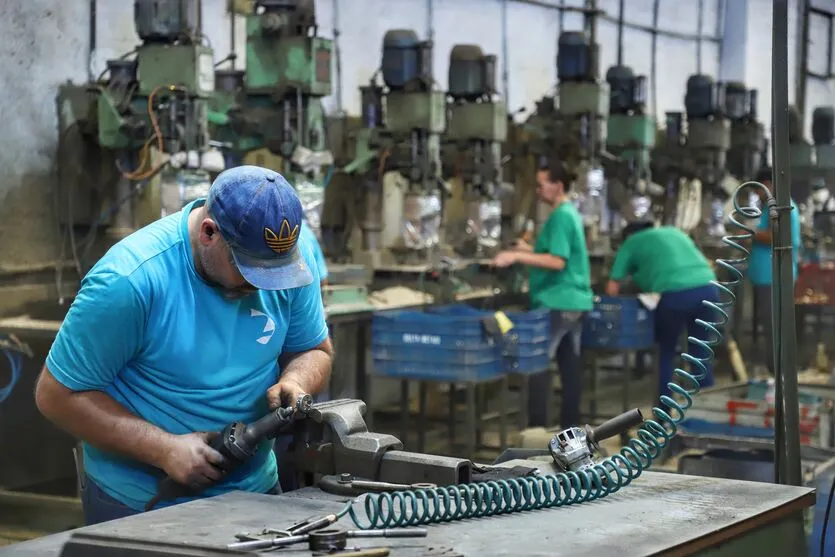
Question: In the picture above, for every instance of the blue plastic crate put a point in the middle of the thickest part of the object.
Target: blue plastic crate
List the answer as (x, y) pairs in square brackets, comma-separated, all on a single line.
[(439, 347), (529, 327), (619, 323)]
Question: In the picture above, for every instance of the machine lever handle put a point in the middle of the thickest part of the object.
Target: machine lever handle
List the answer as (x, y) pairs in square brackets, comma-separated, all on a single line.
[(616, 426)]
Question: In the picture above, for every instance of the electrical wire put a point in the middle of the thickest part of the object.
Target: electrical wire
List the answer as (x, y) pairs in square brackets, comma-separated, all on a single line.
[(14, 351), (457, 502)]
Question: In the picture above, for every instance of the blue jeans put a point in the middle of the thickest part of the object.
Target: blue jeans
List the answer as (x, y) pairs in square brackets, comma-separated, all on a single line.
[(677, 312), (100, 507), (564, 346)]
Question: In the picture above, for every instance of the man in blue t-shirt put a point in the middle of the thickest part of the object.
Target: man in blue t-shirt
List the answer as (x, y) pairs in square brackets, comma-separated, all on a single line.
[(176, 332), (759, 265)]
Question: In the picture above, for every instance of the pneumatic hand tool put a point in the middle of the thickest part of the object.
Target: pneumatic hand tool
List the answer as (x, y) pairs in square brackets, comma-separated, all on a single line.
[(238, 442)]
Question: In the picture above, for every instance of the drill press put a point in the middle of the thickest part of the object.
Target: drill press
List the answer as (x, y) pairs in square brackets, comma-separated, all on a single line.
[(399, 143), (692, 161), (747, 150), (147, 116), (276, 103), (572, 128), (473, 142), (630, 137)]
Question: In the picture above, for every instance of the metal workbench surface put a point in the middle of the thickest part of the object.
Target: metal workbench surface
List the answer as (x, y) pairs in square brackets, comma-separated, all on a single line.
[(659, 511)]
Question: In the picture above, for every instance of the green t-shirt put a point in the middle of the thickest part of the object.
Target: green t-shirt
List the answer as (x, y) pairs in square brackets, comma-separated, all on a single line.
[(662, 259), (570, 288)]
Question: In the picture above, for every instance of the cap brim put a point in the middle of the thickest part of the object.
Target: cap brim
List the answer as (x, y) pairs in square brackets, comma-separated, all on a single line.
[(283, 273)]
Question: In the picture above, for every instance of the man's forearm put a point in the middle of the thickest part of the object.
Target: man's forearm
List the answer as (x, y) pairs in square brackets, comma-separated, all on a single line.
[(541, 260), (311, 370), (94, 417)]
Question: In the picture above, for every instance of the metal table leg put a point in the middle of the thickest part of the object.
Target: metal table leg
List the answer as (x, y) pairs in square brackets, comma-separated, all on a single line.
[(471, 419), (503, 407), (422, 387), (451, 418), (524, 382), (404, 411)]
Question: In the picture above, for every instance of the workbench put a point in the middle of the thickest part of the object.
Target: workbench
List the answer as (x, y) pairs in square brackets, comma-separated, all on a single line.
[(659, 514)]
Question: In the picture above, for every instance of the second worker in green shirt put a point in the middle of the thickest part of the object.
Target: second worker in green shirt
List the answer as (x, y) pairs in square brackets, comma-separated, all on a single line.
[(559, 280), (664, 260)]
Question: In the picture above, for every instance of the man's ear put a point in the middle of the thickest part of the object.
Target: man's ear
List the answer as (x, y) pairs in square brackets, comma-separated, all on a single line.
[(209, 232)]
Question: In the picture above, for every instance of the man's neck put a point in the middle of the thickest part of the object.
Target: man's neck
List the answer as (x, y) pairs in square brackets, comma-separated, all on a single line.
[(559, 200), (195, 217)]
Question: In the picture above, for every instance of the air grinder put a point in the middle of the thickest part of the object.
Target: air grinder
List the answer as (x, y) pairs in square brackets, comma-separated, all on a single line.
[(238, 442)]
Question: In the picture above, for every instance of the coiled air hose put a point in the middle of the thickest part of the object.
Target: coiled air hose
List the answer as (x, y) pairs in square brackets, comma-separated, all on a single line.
[(456, 502)]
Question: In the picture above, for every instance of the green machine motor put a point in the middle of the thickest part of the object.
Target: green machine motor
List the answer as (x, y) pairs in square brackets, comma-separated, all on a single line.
[(748, 145), (163, 91), (276, 102), (571, 125), (630, 131), (477, 124), (144, 112)]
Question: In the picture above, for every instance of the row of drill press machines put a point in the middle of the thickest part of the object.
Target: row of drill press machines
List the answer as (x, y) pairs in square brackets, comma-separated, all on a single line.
[(423, 179)]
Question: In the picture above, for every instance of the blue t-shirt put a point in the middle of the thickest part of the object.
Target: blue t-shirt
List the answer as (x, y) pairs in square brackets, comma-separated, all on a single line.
[(308, 236), (759, 265), (147, 330)]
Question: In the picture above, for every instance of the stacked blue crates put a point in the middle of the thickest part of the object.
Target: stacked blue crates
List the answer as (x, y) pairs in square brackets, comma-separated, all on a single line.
[(619, 323), (434, 347), (525, 346)]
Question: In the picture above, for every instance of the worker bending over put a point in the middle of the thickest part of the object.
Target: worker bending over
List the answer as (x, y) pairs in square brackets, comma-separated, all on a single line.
[(759, 266), (664, 260), (176, 332), (560, 280)]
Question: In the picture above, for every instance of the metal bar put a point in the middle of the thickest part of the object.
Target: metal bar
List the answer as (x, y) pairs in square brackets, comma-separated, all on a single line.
[(653, 69), (505, 55), (803, 59), (430, 17), (627, 24), (700, 24), (787, 428), (829, 49), (721, 6), (620, 31), (337, 55)]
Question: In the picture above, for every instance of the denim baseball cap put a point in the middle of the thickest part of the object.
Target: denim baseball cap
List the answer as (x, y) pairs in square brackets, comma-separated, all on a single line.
[(260, 216)]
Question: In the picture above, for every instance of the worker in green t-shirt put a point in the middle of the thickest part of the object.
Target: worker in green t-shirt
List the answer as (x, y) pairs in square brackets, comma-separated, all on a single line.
[(560, 281), (664, 260)]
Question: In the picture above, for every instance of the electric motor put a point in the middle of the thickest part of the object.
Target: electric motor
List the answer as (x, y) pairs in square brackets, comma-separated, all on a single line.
[(166, 21), (823, 125), (576, 57), (405, 59), (704, 97), (628, 92), (737, 101), (472, 75)]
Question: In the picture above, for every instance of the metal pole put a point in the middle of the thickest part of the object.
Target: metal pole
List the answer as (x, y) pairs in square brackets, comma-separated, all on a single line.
[(620, 32), (787, 419), (430, 20), (699, 40), (653, 68), (337, 54), (505, 55), (802, 59)]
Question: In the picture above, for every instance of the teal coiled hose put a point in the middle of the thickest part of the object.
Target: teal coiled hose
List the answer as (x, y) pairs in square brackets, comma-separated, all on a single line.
[(456, 502)]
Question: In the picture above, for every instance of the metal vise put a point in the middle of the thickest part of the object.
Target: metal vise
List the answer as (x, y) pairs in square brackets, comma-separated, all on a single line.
[(334, 439)]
